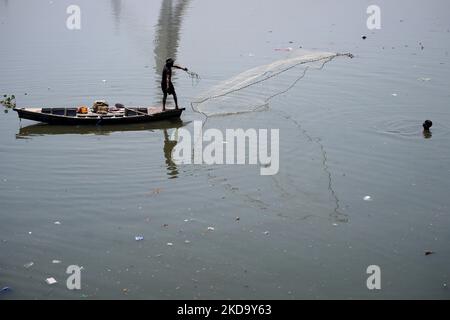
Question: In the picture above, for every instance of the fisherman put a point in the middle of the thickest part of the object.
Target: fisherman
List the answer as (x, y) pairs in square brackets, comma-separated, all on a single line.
[(166, 82)]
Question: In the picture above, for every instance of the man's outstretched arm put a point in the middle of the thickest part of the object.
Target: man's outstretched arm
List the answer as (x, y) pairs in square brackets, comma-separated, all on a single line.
[(181, 68)]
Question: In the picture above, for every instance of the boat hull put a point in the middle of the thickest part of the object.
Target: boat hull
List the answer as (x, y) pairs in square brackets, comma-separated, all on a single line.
[(28, 114)]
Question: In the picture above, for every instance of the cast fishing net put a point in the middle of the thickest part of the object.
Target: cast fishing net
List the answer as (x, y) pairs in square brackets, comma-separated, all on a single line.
[(252, 90)]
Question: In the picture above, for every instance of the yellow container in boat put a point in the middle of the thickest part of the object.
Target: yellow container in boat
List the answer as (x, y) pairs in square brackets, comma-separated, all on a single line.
[(83, 109)]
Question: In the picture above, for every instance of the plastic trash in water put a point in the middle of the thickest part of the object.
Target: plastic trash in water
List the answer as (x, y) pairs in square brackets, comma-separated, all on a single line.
[(283, 49), (367, 198), (5, 289), (211, 229), (139, 238), (169, 244), (51, 281), (57, 222), (28, 265), (56, 261)]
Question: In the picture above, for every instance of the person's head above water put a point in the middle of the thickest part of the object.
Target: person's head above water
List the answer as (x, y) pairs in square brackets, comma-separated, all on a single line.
[(170, 62), (427, 125)]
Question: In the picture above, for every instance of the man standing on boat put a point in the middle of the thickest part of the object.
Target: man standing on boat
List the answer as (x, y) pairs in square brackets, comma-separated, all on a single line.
[(166, 82)]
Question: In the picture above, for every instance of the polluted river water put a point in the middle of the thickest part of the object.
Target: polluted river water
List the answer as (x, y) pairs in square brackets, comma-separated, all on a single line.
[(359, 184)]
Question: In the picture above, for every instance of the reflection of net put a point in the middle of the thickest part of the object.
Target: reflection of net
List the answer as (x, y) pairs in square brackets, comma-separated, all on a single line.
[(253, 89)]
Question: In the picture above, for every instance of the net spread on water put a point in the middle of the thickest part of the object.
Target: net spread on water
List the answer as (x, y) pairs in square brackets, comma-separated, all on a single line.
[(252, 90)]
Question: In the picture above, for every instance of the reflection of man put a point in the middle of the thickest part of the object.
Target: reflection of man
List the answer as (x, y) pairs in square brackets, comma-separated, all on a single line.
[(166, 81), (168, 147)]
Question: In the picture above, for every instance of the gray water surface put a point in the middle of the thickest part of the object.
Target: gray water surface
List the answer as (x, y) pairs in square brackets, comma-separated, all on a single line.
[(350, 130)]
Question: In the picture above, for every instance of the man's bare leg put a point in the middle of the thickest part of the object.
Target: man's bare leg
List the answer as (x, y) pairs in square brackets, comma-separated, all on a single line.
[(164, 101), (176, 100)]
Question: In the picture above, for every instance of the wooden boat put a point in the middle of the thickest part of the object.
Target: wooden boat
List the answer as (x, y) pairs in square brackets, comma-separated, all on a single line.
[(70, 116)]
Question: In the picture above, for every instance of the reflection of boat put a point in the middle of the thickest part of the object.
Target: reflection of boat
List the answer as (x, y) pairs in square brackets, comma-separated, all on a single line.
[(45, 129), (70, 116)]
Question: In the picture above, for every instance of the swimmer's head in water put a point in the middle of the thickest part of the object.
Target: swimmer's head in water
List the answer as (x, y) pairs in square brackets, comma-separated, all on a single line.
[(427, 125), (170, 62)]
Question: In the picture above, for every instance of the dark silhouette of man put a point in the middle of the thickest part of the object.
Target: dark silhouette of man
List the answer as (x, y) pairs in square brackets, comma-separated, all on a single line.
[(166, 81)]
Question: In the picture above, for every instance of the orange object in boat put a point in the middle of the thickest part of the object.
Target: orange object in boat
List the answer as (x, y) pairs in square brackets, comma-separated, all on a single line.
[(82, 110)]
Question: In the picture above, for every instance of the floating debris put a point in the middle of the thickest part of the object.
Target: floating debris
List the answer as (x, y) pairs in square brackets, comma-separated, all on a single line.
[(187, 241), (367, 198), (364, 37), (427, 253), (5, 289), (51, 281), (424, 79), (9, 101), (266, 233), (394, 94), (283, 49), (211, 229), (139, 238), (156, 191), (28, 265), (56, 261), (57, 222), (170, 244)]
